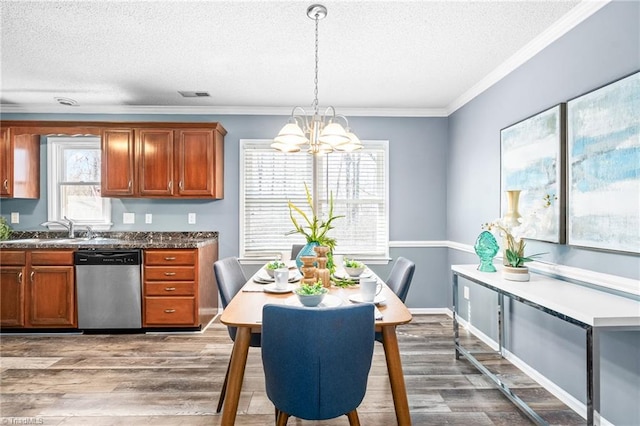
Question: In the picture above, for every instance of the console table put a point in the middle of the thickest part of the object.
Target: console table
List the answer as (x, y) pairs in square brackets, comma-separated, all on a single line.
[(588, 308)]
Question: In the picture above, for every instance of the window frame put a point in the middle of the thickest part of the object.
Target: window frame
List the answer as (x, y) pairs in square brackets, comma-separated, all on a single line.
[(247, 144), (56, 145)]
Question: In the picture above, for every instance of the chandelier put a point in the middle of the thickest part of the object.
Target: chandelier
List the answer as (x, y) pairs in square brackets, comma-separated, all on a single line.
[(322, 133)]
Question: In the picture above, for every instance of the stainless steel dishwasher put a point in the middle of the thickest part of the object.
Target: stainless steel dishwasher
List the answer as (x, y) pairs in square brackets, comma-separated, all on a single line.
[(108, 289)]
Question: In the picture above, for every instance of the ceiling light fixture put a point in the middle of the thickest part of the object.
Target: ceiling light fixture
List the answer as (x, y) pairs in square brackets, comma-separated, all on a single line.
[(323, 133)]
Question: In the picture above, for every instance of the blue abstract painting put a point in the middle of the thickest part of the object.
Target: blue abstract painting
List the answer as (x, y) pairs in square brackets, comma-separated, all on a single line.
[(532, 161), (603, 147)]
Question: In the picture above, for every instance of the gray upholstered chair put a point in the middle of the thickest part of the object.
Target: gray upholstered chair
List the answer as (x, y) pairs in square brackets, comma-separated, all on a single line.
[(400, 277), (399, 281), (230, 279), (317, 360), (295, 249)]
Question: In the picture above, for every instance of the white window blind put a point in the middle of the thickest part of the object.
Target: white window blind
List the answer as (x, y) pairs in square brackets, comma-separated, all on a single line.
[(359, 182)]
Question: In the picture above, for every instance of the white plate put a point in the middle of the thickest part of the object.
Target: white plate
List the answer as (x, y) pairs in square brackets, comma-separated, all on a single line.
[(343, 275), (357, 298), (271, 288), (329, 301), (294, 276)]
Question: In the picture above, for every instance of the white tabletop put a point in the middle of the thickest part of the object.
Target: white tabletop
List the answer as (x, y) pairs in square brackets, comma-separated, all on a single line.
[(585, 304)]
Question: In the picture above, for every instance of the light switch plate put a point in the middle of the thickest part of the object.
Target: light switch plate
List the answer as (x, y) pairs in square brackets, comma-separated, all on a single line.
[(15, 217), (148, 218), (128, 218), (192, 218), (466, 292)]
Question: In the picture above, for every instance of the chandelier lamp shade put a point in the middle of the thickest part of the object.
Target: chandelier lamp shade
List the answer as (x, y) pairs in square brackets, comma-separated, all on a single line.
[(318, 133)]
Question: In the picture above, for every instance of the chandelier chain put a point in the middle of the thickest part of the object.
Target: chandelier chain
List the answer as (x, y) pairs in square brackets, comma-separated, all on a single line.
[(315, 80)]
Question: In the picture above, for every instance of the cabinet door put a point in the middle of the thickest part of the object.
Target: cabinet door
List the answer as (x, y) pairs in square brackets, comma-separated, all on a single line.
[(195, 163), (118, 161), (12, 296), (51, 297), (155, 162), (26, 166), (6, 164)]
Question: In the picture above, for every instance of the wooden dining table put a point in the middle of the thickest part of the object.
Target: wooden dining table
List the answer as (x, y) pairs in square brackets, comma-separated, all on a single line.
[(245, 312)]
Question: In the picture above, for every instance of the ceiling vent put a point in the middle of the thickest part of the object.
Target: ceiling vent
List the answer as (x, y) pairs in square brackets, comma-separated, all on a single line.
[(194, 94), (66, 101)]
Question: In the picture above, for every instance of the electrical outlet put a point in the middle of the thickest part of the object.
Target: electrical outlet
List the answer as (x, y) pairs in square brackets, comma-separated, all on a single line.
[(148, 218), (466, 292), (128, 218), (15, 217), (192, 218)]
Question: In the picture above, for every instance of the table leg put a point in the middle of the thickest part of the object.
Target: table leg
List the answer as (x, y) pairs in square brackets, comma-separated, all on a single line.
[(396, 377), (236, 375)]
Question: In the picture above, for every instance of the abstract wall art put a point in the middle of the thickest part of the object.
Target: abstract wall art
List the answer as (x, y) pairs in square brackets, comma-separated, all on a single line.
[(532, 160), (603, 149)]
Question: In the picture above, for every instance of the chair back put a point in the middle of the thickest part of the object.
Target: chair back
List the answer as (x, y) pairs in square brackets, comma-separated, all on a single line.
[(230, 278), (400, 277), (295, 249), (317, 360)]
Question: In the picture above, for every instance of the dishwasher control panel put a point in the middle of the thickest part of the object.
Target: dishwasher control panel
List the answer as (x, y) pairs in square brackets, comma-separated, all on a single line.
[(107, 257)]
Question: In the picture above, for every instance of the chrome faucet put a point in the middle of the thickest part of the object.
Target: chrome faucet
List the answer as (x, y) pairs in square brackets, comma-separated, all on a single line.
[(67, 223)]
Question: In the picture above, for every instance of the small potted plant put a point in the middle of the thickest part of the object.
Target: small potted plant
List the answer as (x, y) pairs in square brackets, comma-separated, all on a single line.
[(514, 268), (5, 229), (353, 267), (311, 295), (273, 265)]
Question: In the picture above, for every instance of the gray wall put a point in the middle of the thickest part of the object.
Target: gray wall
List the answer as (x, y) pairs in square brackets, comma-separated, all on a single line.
[(603, 48)]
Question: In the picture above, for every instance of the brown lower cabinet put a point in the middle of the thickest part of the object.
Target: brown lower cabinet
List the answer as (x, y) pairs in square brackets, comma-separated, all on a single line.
[(37, 289), (179, 289)]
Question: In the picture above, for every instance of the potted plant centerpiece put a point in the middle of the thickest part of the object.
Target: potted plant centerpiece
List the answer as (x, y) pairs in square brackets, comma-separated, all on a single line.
[(515, 258), (311, 294), (314, 230)]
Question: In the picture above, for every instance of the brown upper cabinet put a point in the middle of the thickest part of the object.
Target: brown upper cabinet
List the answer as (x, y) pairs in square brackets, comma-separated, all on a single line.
[(19, 165), (140, 159)]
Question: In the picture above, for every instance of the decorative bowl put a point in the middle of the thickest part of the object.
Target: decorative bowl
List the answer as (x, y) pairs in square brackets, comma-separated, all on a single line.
[(354, 272), (311, 300)]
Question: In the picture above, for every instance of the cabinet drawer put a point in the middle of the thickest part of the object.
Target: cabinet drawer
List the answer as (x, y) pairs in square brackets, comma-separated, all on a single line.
[(165, 273), (179, 311), (17, 258), (171, 288), (170, 257), (52, 257)]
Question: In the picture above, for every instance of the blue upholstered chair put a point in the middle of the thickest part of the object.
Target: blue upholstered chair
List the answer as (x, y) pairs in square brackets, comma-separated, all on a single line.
[(230, 279), (317, 360), (399, 281)]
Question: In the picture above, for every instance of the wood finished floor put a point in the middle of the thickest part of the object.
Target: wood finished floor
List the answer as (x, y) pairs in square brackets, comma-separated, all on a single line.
[(137, 379)]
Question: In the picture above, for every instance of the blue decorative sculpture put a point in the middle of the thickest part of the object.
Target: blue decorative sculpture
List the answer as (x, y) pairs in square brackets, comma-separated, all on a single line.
[(486, 248)]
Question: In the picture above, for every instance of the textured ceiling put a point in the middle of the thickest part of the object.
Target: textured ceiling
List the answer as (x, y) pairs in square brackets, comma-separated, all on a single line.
[(416, 57)]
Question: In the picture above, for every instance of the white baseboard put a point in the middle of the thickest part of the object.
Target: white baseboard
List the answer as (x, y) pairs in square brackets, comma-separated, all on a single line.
[(431, 311)]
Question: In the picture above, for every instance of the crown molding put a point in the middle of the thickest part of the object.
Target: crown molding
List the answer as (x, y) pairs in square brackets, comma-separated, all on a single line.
[(565, 24), (210, 110)]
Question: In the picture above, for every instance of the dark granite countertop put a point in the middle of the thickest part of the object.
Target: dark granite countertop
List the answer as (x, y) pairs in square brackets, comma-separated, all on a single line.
[(108, 240)]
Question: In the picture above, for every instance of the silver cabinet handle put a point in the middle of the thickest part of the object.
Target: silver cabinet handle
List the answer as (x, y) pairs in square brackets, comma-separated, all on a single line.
[(20, 277), (169, 311), (170, 289), (32, 275), (6, 184), (170, 185), (130, 184), (181, 186), (170, 258), (169, 274)]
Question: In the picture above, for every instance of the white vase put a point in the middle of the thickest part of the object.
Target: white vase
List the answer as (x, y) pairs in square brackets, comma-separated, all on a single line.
[(515, 274)]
